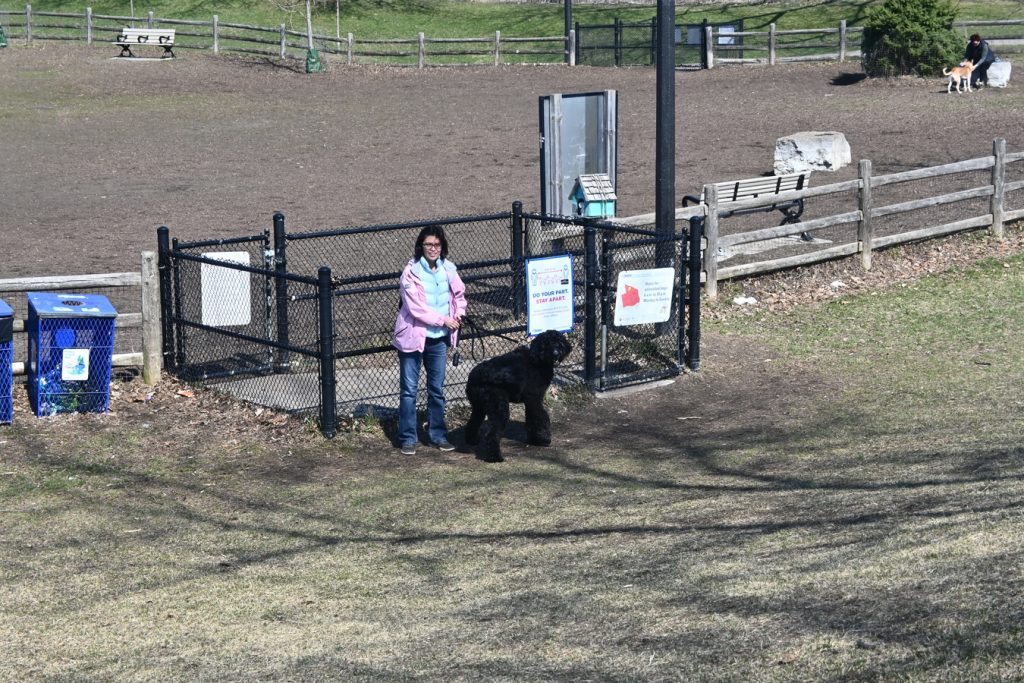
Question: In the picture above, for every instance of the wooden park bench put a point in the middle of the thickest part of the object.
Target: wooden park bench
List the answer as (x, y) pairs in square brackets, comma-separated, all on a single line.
[(752, 188), (134, 37)]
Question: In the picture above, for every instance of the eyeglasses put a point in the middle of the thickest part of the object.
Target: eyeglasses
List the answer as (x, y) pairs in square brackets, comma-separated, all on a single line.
[(431, 245)]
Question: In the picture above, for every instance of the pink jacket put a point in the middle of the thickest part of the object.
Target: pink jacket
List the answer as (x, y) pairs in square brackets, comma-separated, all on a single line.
[(415, 315)]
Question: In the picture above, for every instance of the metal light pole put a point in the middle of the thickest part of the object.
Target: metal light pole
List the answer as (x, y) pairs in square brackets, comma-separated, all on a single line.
[(665, 135)]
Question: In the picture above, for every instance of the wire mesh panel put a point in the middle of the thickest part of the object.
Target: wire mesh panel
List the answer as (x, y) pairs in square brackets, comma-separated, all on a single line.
[(248, 330), (6, 359), (367, 262), (70, 352), (641, 319)]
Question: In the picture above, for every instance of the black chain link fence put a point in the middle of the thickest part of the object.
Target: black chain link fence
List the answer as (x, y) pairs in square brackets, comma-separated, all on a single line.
[(248, 316), (623, 43)]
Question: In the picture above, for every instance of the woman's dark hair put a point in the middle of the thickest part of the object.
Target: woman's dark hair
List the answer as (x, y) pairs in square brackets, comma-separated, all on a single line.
[(975, 37), (431, 231)]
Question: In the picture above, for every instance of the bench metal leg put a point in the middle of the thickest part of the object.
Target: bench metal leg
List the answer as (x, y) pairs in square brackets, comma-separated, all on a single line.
[(791, 214)]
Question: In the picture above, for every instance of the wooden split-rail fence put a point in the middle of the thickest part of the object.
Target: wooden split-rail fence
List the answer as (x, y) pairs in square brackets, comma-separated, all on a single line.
[(146, 317)]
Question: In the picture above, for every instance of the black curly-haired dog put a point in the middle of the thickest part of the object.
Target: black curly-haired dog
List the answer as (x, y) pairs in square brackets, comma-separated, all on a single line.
[(522, 375)]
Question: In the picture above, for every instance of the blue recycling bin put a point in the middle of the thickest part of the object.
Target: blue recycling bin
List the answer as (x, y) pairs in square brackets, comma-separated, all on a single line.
[(70, 352), (6, 359)]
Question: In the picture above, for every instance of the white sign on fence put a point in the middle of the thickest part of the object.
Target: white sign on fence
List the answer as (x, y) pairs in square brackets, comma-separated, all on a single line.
[(549, 300), (644, 296), (225, 291)]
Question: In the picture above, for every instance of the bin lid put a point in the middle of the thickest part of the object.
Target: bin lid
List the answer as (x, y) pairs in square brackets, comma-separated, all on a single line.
[(5, 310), (62, 305)]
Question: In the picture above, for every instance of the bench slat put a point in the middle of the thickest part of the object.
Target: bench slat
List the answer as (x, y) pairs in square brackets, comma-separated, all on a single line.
[(737, 190)]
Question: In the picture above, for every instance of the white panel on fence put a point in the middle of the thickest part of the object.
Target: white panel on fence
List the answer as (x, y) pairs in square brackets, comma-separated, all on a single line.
[(225, 291)]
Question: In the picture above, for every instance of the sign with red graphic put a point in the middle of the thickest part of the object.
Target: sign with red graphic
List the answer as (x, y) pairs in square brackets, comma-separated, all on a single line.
[(644, 296)]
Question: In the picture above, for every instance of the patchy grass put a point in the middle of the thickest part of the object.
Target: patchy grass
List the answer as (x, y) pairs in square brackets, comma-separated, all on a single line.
[(848, 506)]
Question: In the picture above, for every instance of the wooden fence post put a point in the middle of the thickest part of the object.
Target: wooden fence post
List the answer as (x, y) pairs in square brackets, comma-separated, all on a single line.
[(422, 59), (152, 343), (216, 34), (772, 38), (998, 183), (711, 238), (497, 48), (709, 47), (865, 233), (88, 25), (28, 23), (283, 44), (842, 40)]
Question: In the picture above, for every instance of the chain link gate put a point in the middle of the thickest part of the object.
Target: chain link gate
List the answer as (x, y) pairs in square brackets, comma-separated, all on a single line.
[(633, 354), (613, 355)]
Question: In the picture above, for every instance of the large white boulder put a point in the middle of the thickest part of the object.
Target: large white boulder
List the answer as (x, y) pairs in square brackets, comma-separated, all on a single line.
[(811, 151), (999, 74)]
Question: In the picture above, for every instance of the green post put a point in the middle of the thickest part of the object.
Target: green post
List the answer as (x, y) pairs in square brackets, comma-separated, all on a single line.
[(313, 63)]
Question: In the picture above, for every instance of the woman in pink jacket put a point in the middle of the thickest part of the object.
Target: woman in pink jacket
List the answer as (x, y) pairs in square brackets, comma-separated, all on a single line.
[(433, 300)]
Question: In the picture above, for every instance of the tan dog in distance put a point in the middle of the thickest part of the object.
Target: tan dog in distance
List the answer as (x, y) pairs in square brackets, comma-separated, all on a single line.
[(960, 74)]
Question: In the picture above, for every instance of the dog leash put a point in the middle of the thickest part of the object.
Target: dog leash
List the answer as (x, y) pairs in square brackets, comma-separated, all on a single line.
[(479, 332)]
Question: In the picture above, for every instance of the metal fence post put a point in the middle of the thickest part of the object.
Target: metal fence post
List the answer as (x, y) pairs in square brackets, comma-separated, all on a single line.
[(216, 34), (149, 21), (422, 52), (497, 48), (704, 38), (617, 41), (284, 44), (681, 297), (328, 399), (518, 293), (998, 185), (654, 40), (693, 275), (179, 336), (590, 303), (571, 48), (604, 273), (166, 314), (579, 39), (28, 23), (281, 360), (709, 48), (772, 44), (88, 25)]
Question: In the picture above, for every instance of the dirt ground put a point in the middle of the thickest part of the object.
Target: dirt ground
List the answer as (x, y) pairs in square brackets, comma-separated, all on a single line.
[(99, 152)]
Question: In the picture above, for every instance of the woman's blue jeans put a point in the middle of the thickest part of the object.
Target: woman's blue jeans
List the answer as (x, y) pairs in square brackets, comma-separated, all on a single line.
[(433, 359)]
